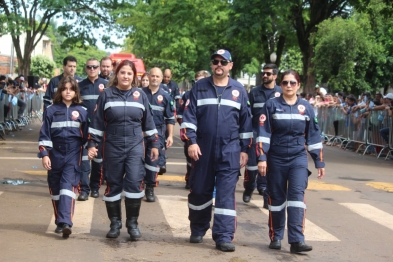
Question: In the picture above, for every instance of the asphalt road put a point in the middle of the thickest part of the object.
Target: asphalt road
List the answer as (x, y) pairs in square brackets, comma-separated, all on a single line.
[(349, 215)]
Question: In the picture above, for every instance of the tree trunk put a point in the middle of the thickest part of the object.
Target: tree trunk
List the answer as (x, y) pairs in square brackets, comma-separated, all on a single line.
[(309, 79)]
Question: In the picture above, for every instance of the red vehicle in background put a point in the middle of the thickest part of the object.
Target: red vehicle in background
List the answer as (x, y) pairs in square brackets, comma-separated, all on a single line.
[(140, 66)]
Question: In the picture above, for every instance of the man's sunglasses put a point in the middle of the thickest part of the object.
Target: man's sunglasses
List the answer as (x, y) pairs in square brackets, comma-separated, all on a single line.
[(92, 66), (291, 83), (267, 73), (223, 62)]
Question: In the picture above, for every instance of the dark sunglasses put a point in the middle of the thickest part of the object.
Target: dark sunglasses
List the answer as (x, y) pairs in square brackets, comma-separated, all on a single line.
[(91, 67), (267, 73), (223, 62), (291, 83)]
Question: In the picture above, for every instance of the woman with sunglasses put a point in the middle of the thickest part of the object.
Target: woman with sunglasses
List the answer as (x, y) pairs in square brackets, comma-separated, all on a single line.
[(287, 128)]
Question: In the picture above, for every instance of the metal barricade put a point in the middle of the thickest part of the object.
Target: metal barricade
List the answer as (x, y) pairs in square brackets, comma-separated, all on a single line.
[(37, 105)]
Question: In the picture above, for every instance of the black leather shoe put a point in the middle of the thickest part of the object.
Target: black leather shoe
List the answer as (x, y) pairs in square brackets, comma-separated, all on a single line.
[(149, 192), (162, 170), (247, 196), (261, 191), (66, 231), (196, 239), (226, 247), (265, 204), (59, 228), (276, 244), (299, 247), (187, 186), (95, 194), (83, 196)]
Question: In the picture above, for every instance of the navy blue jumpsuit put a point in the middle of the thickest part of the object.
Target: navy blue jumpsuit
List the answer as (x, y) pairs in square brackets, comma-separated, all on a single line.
[(52, 88), (179, 118), (118, 123), (163, 115), (286, 133), (62, 136), (89, 94), (258, 96), (221, 126)]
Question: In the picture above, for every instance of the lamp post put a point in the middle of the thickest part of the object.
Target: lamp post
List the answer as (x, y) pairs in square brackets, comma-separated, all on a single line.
[(273, 57)]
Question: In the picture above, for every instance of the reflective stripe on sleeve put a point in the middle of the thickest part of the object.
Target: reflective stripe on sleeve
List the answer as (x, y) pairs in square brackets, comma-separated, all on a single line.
[(134, 195), (277, 208), (112, 199), (173, 117), (263, 139), (246, 135), (252, 168), (226, 212), (177, 97), (152, 168), (85, 158), (45, 143), (226, 102), (297, 204), (314, 146), (201, 207), (119, 104), (66, 124), (151, 132), (97, 160), (55, 197), (96, 132), (188, 125)]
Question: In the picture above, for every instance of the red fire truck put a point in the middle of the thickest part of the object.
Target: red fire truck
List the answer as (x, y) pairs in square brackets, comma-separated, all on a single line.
[(140, 66)]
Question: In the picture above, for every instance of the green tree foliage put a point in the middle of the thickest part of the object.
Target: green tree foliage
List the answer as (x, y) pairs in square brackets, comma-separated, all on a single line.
[(181, 33), (292, 59), (343, 52), (81, 18), (42, 66), (82, 54)]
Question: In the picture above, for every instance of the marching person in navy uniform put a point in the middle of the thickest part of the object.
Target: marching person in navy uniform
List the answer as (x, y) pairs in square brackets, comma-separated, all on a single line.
[(288, 129), (62, 136), (217, 126), (90, 88), (164, 119), (198, 75), (69, 69), (258, 97), (121, 118)]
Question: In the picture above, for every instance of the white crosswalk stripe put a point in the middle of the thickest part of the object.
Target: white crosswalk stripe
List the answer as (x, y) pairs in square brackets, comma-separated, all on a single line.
[(176, 214), (312, 232), (82, 219), (372, 213)]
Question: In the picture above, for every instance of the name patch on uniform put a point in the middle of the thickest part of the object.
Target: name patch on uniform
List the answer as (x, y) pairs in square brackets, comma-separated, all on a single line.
[(262, 120), (136, 95), (277, 94), (75, 115), (235, 94), (160, 98), (101, 87), (301, 109)]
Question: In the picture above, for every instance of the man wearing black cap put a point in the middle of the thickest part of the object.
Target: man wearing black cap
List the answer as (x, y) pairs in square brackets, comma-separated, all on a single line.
[(217, 126)]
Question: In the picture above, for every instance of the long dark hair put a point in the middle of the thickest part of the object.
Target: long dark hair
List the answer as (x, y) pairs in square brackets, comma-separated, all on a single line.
[(114, 82), (60, 88)]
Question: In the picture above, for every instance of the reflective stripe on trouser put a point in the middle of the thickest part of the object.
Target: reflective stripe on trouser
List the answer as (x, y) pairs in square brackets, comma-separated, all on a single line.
[(251, 176), (287, 176), (97, 173), (153, 167), (85, 172), (63, 186), (224, 167), (126, 170)]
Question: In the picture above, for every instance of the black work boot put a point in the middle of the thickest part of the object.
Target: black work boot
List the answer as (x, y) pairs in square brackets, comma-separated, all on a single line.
[(149, 193), (299, 247), (132, 209), (114, 213), (247, 195)]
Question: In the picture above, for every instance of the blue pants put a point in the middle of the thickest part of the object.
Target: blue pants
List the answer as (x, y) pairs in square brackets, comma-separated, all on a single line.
[(287, 179), (124, 171), (220, 168), (153, 167), (63, 181), (96, 172), (252, 178)]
